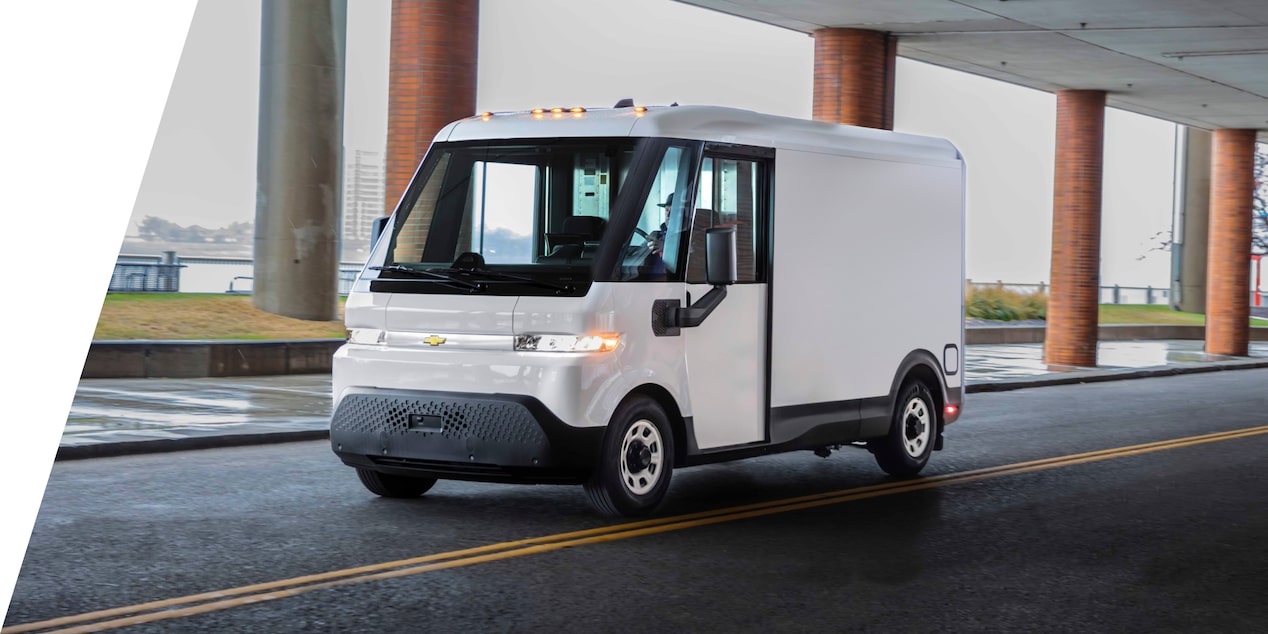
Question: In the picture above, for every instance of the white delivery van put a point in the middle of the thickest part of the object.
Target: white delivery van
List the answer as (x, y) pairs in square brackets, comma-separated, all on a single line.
[(602, 296)]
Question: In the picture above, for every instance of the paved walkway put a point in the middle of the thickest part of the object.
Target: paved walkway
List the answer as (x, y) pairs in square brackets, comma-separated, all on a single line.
[(112, 416)]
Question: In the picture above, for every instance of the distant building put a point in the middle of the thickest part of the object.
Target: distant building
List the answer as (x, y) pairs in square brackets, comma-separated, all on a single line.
[(363, 181)]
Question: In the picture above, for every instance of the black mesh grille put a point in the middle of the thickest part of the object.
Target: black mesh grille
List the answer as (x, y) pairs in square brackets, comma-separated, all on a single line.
[(487, 421)]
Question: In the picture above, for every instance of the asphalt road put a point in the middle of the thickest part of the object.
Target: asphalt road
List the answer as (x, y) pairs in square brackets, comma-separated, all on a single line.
[(1165, 537)]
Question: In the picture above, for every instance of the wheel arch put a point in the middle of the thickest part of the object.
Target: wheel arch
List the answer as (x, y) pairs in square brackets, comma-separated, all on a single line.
[(670, 405), (922, 365)]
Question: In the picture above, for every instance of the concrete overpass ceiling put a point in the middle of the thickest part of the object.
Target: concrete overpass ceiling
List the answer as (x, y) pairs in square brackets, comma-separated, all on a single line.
[(1197, 62)]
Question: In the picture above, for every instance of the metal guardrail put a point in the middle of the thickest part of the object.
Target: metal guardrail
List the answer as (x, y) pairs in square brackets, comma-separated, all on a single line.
[(145, 278), (1109, 294), (147, 273)]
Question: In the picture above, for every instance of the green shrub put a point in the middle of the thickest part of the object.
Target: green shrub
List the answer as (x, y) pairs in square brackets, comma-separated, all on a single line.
[(998, 304)]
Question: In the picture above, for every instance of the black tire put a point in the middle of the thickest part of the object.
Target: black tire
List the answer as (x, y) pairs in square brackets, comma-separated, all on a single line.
[(394, 486), (636, 461), (912, 431)]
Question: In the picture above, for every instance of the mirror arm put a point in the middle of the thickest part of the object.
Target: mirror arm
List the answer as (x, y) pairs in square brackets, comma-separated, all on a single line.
[(695, 314)]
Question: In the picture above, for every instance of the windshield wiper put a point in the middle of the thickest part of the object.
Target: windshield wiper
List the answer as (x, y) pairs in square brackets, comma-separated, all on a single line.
[(440, 277), (491, 275)]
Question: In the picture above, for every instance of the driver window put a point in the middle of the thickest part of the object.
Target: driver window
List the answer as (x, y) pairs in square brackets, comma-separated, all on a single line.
[(729, 195), (661, 232)]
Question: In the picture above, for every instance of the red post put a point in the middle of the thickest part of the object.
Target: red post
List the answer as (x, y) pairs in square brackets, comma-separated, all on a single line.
[(1259, 269)]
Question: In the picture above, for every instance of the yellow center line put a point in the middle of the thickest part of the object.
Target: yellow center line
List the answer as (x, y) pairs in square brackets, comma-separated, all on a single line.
[(256, 593)]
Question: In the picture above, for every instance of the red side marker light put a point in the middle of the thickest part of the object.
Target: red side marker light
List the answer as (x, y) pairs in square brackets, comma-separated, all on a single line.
[(951, 410)]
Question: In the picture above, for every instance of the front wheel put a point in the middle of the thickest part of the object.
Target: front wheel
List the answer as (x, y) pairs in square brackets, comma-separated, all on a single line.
[(394, 486), (636, 462), (912, 430)]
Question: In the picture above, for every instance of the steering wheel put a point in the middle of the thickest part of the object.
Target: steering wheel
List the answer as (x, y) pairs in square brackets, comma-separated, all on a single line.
[(638, 253)]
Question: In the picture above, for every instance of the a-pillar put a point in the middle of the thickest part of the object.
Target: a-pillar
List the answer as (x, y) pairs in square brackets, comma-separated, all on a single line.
[(854, 77), (1228, 251), (431, 80), (1074, 297), (299, 155)]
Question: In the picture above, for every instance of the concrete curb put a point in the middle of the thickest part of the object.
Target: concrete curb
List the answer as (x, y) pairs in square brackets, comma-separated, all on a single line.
[(135, 447)]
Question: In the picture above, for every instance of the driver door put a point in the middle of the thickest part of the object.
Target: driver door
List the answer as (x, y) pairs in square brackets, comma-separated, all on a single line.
[(727, 360)]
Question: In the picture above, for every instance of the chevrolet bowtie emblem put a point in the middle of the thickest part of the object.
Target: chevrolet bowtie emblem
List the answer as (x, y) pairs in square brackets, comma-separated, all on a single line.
[(433, 340)]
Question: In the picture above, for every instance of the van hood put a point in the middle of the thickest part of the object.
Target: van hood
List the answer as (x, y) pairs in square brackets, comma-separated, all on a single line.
[(450, 314)]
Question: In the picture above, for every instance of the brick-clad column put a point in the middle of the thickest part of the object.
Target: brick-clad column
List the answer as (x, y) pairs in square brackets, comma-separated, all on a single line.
[(854, 77), (431, 80), (1228, 247), (1074, 297)]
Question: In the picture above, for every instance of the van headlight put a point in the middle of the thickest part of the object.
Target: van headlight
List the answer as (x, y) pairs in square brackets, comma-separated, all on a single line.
[(367, 336), (567, 343)]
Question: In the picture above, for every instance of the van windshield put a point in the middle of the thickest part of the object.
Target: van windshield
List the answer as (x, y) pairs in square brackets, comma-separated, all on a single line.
[(519, 206), (540, 216)]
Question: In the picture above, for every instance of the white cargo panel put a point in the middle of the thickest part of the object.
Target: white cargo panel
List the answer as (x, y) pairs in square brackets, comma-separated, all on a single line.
[(867, 268)]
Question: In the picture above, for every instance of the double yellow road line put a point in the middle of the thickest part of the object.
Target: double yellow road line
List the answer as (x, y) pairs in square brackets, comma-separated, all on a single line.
[(246, 595)]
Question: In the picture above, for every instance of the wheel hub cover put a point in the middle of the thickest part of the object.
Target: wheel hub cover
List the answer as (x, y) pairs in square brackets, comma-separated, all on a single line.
[(639, 456), (915, 427)]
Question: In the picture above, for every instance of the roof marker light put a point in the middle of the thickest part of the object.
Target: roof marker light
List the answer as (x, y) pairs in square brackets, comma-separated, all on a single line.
[(640, 109), (577, 110), (557, 110), (539, 110)]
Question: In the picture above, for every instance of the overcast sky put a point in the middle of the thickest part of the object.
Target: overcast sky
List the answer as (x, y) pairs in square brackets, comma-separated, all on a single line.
[(545, 52)]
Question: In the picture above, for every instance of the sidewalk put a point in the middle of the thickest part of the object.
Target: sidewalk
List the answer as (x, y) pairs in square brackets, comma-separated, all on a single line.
[(122, 416)]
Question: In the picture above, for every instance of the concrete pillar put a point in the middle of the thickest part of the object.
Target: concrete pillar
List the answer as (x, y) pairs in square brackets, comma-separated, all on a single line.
[(1074, 297), (300, 150), (854, 77), (431, 80), (1228, 252), (1189, 229)]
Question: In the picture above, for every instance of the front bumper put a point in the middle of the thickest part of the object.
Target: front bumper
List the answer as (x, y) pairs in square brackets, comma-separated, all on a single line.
[(459, 436)]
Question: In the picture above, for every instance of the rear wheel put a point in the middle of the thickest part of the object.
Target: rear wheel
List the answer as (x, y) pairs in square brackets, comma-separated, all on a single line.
[(394, 486), (913, 428), (636, 462)]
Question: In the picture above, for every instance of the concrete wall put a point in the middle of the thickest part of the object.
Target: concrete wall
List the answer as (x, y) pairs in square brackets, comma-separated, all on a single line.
[(1125, 332), (192, 359)]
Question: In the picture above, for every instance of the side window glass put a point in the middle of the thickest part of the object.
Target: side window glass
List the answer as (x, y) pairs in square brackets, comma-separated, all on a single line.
[(660, 236), (729, 195)]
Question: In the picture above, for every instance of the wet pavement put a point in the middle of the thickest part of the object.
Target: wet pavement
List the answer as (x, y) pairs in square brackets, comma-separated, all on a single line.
[(123, 411), (129, 410)]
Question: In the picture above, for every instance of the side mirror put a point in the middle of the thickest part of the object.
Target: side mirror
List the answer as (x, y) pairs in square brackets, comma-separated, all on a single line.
[(720, 267), (376, 229)]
